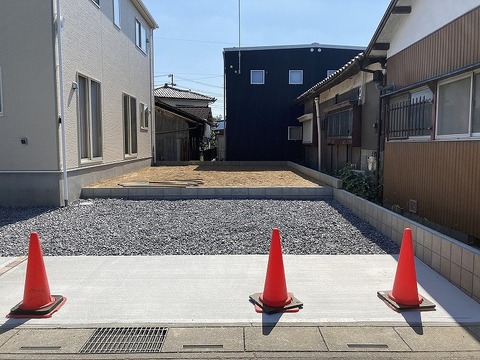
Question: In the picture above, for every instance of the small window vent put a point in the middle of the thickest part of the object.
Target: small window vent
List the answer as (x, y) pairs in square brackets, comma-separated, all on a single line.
[(412, 206), (294, 133)]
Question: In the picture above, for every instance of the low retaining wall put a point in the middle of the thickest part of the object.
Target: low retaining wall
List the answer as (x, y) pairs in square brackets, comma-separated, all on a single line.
[(457, 262), (276, 193), (326, 179)]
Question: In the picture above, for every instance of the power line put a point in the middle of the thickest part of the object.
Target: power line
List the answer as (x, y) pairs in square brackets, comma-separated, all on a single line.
[(182, 73), (195, 40), (199, 82)]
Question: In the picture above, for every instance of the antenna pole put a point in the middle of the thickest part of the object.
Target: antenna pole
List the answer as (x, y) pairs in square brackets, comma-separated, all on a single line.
[(239, 43)]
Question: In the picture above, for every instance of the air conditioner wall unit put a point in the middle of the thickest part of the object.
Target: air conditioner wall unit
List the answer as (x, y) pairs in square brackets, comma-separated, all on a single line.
[(295, 133)]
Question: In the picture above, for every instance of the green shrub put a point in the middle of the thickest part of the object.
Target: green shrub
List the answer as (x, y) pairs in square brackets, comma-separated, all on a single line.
[(360, 183)]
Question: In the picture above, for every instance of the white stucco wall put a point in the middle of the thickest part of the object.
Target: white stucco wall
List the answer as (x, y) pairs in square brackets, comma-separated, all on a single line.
[(95, 47), (356, 81), (28, 84), (427, 16)]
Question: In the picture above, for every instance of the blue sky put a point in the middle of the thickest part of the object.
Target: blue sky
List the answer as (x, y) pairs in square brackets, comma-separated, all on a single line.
[(192, 33)]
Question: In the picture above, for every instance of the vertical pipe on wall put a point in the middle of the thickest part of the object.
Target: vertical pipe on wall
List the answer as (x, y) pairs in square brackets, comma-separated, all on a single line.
[(152, 100), (319, 134), (62, 104)]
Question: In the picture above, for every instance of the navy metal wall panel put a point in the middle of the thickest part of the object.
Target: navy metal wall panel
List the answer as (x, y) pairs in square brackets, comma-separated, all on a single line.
[(258, 116)]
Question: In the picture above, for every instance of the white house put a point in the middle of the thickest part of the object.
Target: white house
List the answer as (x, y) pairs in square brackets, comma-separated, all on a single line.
[(76, 96)]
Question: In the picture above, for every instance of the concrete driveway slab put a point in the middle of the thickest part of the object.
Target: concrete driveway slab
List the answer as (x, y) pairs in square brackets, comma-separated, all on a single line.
[(431, 338), (47, 341), (268, 338), (215, 289), (370, 339), (221, 339)]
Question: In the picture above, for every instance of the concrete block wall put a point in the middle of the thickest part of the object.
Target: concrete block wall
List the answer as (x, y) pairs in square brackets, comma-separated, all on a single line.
[(141, 193), (326, 179), (457, 262)]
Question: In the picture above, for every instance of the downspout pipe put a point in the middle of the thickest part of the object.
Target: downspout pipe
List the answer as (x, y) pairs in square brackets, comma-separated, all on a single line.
[(152, 100), (319, 133), (62, 104)]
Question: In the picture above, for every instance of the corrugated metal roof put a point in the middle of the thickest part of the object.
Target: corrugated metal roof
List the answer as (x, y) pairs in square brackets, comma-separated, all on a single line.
[(169, 92), (287, 47)]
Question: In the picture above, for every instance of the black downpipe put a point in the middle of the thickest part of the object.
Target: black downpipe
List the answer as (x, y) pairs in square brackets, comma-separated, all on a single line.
[(379, 135)]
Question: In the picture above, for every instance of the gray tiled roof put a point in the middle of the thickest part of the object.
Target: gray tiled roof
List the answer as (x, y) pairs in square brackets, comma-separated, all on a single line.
[(202, 112), (336, 75), (169, 92)]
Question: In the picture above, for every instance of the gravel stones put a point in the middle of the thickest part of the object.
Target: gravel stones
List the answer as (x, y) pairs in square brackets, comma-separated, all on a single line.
[(104, 227)]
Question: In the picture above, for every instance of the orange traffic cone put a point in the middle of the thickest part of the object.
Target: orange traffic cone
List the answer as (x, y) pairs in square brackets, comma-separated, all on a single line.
[(275, 297), (405, 292), (37, 301)]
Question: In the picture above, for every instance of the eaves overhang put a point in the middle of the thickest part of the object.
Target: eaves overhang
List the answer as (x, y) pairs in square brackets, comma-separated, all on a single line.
[(390, 23), (142, 9), (348, 70), (184, 114)]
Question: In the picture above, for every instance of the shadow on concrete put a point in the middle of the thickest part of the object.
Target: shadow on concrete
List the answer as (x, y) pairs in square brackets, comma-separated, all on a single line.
[(269, 321), (414, 320), (11, 324), (438, 290)]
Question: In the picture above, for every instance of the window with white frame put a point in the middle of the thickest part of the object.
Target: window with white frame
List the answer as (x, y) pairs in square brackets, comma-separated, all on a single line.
[(257, 77), (144, 116), (140, 36), (129, 125), (476, 106), (458, 112), (295, 77), (89, 118), (1, 93), (116, 12)]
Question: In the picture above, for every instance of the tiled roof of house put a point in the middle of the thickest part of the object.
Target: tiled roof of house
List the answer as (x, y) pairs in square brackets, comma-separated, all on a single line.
[(202, 112), (179, 111), (169, 92), (337, 76)]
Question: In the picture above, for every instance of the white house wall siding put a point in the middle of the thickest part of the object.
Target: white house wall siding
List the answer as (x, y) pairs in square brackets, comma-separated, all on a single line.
[(107, 55), (28, 78), (426, 17), (93, 47)]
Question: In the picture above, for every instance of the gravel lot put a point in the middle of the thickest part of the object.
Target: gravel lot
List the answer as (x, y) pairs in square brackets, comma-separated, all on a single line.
[(190, 227)]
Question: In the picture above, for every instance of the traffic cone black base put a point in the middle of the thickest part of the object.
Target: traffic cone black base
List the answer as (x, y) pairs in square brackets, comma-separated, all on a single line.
[(424, 305), (294, 306), (43, 312)]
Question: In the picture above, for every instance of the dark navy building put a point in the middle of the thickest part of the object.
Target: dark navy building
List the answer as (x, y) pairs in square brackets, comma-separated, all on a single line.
[(261, 85)]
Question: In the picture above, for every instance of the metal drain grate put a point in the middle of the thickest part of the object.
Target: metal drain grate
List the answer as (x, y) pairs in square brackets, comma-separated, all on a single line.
[(125, 340)]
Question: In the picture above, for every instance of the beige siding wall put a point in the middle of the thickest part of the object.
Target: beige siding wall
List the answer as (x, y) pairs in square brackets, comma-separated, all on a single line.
[(95, 47), (442, 176), (450, 48), (28, 78)]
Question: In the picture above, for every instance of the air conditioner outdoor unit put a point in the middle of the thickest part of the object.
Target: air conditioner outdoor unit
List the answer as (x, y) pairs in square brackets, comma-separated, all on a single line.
[(294, 133)]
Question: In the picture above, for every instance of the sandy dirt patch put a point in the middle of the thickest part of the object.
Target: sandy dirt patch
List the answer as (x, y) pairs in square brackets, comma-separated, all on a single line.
[(217, 176)]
